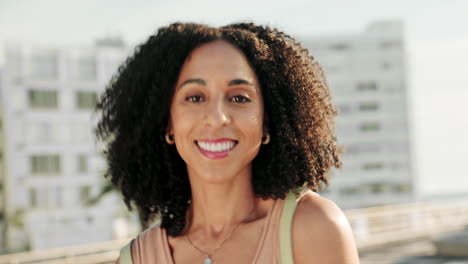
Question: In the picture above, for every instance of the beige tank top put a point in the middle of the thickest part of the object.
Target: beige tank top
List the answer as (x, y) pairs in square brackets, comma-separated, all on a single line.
[(152, 246)]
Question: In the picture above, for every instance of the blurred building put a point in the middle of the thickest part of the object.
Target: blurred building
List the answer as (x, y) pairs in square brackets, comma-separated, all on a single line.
[(367, 75), (52, 164)]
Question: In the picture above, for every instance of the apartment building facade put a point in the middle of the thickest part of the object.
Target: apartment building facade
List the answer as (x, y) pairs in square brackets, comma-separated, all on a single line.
[(52, 162), (367, 75)]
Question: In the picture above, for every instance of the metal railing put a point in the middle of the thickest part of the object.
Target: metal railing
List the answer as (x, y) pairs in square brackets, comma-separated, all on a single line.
[(377, 226), (96, 253), (372, 227)]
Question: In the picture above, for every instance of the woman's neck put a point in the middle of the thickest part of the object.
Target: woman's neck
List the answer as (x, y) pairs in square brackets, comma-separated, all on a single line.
[(217, 208)]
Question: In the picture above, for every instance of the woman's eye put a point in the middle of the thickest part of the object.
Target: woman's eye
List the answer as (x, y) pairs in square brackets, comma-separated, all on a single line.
[(240, 99), (194, 99)]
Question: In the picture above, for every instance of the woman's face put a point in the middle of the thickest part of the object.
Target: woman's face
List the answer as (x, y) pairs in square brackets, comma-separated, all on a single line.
[(217, 113)]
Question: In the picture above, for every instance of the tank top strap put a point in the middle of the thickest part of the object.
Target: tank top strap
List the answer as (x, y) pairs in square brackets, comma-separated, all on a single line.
[(149, 247), (285, 228), (277, 247)]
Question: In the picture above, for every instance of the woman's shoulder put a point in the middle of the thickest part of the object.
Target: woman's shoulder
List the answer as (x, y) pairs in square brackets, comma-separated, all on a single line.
[(313, 207), (321, 232), (146, 242), (142, 245)]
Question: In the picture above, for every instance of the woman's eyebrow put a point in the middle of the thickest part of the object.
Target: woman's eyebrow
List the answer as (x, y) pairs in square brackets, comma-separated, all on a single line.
[(240, 81), (231, 83), (197, 81)]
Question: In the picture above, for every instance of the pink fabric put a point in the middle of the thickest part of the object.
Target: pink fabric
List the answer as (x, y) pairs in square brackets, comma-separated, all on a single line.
[(152, 247)]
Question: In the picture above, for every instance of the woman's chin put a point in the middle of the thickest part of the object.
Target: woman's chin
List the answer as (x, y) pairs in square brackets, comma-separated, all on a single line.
[(219, 172)]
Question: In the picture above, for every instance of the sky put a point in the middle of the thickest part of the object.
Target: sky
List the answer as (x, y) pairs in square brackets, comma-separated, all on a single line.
[(436, 38)]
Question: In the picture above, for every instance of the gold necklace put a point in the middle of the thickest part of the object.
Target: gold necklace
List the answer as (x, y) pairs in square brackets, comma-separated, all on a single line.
[(208, 259)]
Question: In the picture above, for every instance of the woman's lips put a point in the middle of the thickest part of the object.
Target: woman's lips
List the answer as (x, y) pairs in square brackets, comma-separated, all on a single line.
[(216, 148)]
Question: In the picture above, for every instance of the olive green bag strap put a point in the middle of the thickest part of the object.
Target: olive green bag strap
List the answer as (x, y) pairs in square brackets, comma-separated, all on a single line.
[(286, 221), (126, 254)]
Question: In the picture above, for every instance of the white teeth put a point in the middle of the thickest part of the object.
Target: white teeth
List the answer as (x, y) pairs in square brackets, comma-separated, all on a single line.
[(216, 147), (210, 147)]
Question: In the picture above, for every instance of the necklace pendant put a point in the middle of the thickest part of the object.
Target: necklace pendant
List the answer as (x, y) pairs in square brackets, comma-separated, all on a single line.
[(208, 260)]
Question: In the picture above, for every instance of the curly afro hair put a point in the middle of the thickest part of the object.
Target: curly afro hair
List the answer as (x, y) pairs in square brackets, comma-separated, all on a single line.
[(134, 113)]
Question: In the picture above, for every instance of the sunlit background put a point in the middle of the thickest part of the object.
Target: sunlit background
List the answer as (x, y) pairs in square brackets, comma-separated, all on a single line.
[(398, 70)]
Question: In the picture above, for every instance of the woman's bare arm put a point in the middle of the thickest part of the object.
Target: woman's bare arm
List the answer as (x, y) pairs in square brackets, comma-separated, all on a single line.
[(321, 233)]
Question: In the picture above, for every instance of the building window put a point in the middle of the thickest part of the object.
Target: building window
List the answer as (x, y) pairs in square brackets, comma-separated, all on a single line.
[(86, 67), (359, 148), (89, 219), (82, 163), (85, 194), (370, 126), (86, 100), (58, 197), (43, 99), (339, 46), (390, 44), (38, 198), (367, 86), (44, 65), (402, 188), (368, 106), (372, 166), (347, 191), (374, 188), (399, 165), (386, 65), (33, 198), (45, 164), (45, 197), (344, 108), (352, 150), (377, 187)]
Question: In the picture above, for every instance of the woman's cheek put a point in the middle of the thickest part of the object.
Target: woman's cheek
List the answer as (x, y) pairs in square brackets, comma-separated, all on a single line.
[(254, 117)]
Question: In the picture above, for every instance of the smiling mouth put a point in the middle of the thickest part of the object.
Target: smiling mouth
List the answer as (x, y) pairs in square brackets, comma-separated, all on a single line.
[(216, 149)]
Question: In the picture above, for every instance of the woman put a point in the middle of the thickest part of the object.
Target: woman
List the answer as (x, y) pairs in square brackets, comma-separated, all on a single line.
[(209, 129)]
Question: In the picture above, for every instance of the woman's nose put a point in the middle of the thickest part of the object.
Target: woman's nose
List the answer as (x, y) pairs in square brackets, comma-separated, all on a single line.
[(217, 114)]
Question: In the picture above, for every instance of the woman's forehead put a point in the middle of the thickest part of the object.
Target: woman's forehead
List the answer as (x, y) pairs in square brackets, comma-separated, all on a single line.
[(217, 59)]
